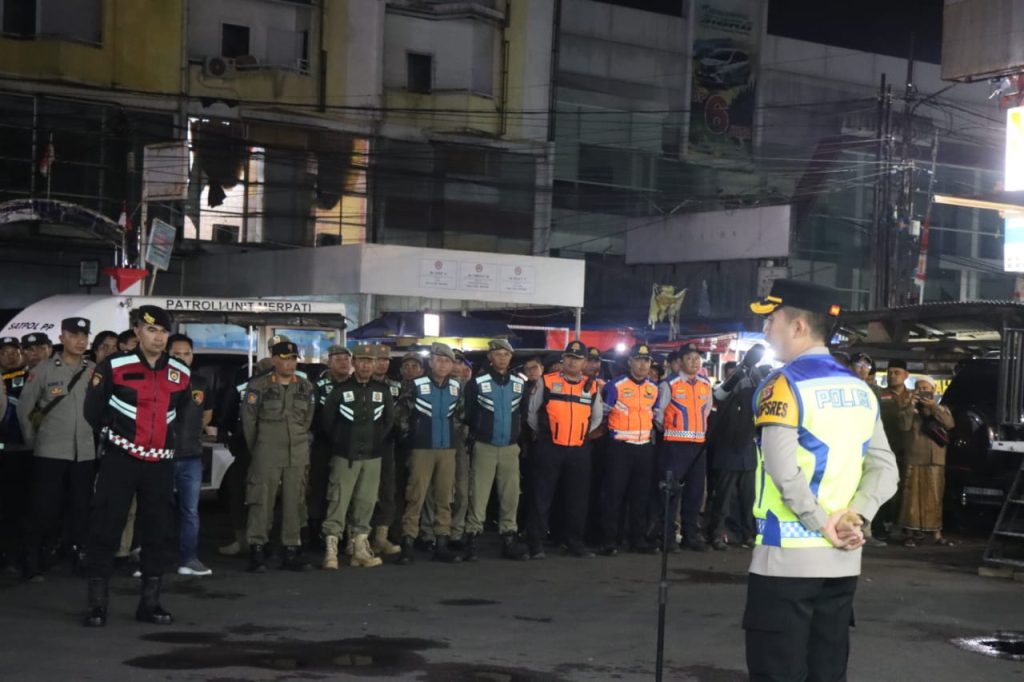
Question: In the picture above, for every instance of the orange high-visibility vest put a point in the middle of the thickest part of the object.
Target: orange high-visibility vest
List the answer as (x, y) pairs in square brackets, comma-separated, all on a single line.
[(686, 415), (568, 406), (630, 408)]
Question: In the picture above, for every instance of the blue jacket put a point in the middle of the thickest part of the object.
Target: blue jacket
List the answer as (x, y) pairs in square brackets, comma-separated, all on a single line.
[(432, 409), (492, 408)]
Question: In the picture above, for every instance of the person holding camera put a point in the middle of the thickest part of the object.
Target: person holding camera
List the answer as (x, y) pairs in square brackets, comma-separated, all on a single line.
[(926, 424)]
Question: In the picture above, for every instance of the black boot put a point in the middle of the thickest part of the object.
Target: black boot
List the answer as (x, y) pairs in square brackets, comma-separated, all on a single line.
[(511, 548), (149, 610), (408, 555), (293, 560), (257, 560), (469, 548), (99, 596), (443, 553)]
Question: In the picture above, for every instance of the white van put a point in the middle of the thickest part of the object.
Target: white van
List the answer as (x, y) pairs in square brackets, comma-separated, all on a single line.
[(230, 335)]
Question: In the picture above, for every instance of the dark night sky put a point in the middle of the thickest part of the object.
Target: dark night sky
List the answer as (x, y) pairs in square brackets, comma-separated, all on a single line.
[(882, 26)]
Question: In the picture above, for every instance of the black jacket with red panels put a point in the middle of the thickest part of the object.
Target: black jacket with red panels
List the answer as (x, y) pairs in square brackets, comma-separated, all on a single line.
[(134, 405)]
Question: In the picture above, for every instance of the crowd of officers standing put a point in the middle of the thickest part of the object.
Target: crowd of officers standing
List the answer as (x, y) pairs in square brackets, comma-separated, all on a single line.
[(367, 467), (360, 466)]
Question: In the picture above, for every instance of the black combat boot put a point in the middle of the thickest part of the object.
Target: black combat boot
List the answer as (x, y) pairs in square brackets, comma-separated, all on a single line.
[(149, 610), (443, 553), (511, 548), (99, 596), (469, 548), (293, 560), (257, 560), (408, 554)]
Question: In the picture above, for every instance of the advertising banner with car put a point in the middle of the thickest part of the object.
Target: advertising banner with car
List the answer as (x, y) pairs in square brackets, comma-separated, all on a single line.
[(725, 55)]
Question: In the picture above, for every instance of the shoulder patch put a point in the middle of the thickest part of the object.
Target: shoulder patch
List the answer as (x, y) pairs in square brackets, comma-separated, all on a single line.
[(776, 404), (252, 397), (97, 379), (198, 396)]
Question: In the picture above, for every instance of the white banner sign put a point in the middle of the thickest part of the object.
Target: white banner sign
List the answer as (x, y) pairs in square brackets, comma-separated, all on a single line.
[(438, 274), (478, 277)]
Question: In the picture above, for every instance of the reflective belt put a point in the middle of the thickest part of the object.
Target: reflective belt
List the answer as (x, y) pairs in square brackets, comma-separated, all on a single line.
[(137, 450), (793, 530)]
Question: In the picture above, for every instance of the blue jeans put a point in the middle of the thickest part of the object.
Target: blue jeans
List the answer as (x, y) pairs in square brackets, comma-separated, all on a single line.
[(188, 479)]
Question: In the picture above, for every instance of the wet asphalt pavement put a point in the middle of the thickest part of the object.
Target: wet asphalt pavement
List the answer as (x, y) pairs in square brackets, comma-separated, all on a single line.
[(497, 621)]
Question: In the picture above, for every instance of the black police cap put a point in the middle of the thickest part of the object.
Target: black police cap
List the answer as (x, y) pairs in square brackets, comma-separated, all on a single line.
[(285, 349), (576, 349), (153, 315), (9, 341), (35, 339), (791, 293), (75, 324)]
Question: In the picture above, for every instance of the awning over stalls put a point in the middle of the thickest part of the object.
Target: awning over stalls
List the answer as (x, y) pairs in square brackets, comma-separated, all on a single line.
[(61, 214)]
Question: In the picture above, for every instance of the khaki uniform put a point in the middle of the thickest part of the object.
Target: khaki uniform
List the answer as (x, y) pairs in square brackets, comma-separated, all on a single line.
[(63, 433), (276, 419)]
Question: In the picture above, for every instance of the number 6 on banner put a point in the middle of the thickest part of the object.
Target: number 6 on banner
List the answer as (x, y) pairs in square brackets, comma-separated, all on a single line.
[(716, 114)]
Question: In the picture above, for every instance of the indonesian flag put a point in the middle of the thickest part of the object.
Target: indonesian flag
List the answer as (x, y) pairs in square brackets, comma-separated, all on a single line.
[(126, 281), (125, 220), (49, 156)]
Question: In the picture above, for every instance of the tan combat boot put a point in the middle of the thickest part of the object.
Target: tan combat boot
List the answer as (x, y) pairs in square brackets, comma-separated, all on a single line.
[(331, 553), (381, 544), (362, 555), (350, 546)]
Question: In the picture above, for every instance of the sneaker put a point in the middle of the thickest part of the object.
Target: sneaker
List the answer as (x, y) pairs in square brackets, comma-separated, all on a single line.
[(194, 567), (875, 542), (137, 573), (719, 545)]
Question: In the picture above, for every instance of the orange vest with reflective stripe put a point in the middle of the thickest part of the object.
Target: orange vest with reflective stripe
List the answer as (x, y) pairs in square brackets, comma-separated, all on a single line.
[(686, 415), (567, 407), (630, 409)]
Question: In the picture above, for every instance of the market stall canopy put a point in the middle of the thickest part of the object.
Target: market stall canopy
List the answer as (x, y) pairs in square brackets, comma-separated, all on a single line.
[(61, 218)]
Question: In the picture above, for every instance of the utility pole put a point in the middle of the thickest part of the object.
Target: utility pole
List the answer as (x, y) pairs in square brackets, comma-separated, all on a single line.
[(882, 253), (901, 281)]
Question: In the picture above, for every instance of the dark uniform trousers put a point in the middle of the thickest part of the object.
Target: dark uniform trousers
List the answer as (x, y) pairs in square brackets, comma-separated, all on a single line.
[(121, 477), (628, 473), (798, 629), (732, 490), (58, 485), (319, 473), (384, 513), (571, 466), (15, 500), (688, 464)]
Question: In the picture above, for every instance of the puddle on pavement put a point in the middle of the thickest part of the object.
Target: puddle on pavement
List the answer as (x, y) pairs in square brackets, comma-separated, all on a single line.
[(1008, 646), (695, 575), (362, 657), (214, 650), (467, 602), (532, 619)]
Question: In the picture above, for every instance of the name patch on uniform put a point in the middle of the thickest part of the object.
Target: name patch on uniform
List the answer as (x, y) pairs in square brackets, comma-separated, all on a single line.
[(773, 408), (394, 391), (56, 390), (485, 387), (173, 375), (425, 389), (517, 387), (198, 396), (377, 397), (454, 390), (628, 393), (348, 396), (97, 379)]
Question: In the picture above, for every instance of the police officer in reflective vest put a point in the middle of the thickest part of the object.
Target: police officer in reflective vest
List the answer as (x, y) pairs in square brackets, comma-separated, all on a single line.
[(565, 409), (493, 414), (133, 401), (684, 405), (431, 405), (824, 469), (630, 402)]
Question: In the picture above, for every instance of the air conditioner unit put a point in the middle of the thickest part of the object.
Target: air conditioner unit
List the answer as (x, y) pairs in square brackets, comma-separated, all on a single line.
[(219, 67)]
